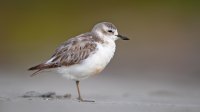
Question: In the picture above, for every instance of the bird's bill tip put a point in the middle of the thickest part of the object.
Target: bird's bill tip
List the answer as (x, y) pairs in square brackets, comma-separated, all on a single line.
[(123, 37)]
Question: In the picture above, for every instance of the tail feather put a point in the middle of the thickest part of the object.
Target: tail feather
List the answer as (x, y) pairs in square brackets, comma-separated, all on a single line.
[(35, 73), (38, 68), (43, 66)]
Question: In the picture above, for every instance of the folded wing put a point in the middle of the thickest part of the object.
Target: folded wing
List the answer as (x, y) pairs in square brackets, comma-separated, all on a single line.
[(71, 52)]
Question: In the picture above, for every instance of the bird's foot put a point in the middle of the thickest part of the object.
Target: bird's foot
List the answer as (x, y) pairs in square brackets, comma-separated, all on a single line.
[(81, 100)]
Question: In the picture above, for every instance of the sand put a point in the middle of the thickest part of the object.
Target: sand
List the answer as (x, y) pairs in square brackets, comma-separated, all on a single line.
[(52, 93)]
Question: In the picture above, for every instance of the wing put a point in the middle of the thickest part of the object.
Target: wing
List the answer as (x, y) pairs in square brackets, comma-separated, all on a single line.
[(71, 52)]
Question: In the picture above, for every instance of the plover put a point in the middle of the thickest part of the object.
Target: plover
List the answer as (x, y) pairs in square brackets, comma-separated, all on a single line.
[(84, 55)]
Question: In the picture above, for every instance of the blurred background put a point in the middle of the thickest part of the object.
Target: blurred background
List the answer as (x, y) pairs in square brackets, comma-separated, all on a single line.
[(164, 48)]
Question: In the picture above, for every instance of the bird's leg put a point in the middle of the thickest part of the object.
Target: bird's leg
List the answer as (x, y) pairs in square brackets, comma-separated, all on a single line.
[(79, 94)]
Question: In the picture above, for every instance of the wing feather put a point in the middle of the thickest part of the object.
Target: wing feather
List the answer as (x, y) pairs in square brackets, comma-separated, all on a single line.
[(71, 52)]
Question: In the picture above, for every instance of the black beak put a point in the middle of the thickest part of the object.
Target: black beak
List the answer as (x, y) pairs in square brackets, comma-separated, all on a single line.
[(123, 37)]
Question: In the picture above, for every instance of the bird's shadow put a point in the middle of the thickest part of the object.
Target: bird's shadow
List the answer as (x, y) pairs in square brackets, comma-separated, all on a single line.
[(46, 96)]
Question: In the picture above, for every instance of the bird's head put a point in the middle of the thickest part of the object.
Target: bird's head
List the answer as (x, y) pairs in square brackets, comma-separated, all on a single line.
[(107, 30)]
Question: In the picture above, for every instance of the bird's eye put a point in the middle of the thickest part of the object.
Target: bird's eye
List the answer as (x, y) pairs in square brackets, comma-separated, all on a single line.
[(110, 31)]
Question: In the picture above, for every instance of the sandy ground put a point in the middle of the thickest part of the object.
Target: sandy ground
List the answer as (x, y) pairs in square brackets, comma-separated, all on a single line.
[(111, 93)]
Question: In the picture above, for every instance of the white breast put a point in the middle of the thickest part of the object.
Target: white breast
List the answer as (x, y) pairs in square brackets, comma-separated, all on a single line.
[(94, 64)]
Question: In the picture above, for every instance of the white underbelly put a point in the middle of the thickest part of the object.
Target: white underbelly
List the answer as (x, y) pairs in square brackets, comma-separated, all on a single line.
[(94, 64)]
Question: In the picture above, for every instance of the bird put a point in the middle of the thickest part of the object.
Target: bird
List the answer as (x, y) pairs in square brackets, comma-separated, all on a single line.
[(84, 55)]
